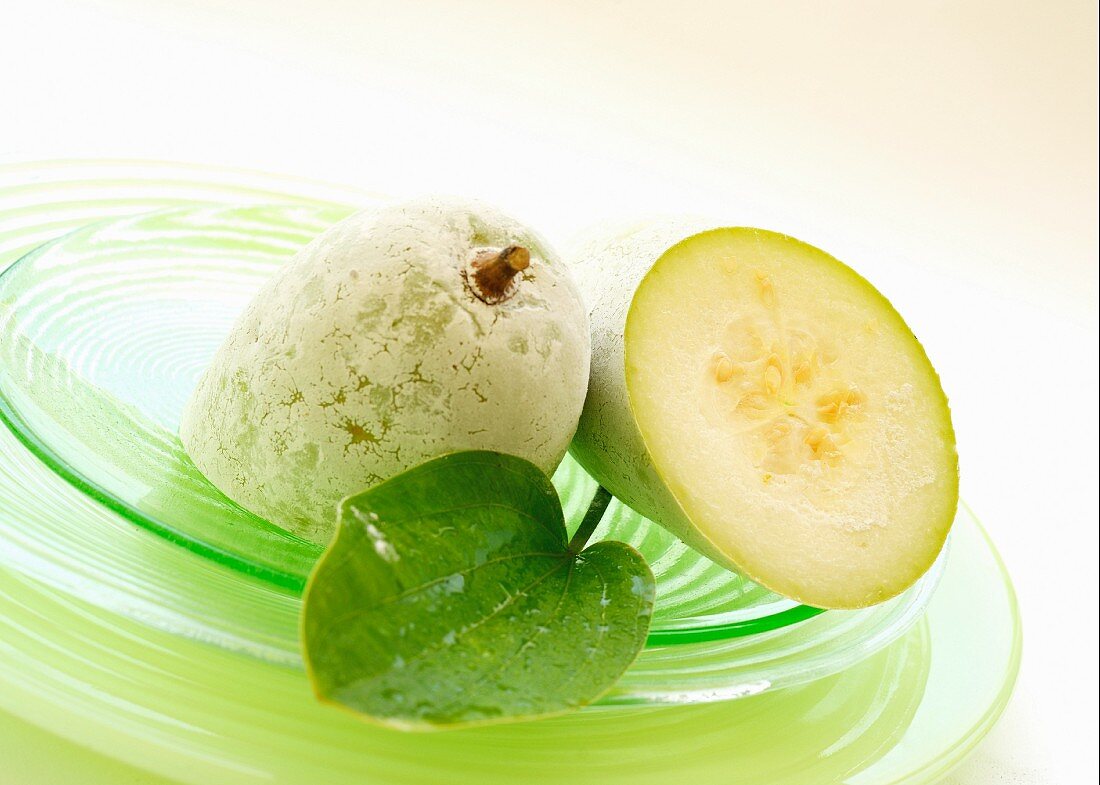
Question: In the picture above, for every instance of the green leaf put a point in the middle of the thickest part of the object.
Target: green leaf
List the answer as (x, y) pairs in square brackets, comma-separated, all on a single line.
[(450, 597)]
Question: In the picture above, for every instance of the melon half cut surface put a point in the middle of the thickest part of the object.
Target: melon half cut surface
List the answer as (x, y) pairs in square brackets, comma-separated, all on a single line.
[(793, 415)]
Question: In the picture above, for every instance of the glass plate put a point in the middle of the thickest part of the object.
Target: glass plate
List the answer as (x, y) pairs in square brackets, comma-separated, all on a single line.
[(185, 664)]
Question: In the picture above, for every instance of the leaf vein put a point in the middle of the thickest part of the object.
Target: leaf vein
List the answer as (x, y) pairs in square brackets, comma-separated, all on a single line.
[(467, 691), (393, 599), (512, 599)]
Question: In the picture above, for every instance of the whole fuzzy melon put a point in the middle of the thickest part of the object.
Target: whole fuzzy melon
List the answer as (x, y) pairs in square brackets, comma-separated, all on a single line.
[(398, 335)]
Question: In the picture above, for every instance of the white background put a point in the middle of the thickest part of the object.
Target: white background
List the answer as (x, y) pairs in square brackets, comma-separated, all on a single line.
[(947, 150)]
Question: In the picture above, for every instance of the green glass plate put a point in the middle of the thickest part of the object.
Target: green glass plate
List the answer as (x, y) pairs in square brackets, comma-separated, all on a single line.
[(171, 644)]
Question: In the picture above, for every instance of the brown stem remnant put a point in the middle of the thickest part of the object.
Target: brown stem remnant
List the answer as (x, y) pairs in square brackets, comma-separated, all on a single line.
[(491, 274)]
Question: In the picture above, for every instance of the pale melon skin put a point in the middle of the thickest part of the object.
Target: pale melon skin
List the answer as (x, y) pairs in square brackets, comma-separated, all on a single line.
[(608, 443), (367, 354)]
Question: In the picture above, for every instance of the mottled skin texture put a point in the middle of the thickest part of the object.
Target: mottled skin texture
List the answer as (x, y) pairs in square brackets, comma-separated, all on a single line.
[(607, 443), (366, 354)]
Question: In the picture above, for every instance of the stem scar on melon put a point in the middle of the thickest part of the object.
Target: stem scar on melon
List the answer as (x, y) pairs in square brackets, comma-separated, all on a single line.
[(400, 334), (491, 276), (770, 407)]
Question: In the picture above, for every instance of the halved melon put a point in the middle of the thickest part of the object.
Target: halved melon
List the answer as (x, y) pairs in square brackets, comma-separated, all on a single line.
[(792, 416)]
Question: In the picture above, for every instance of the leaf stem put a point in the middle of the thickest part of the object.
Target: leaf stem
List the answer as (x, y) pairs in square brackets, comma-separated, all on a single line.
[(596, 508)]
